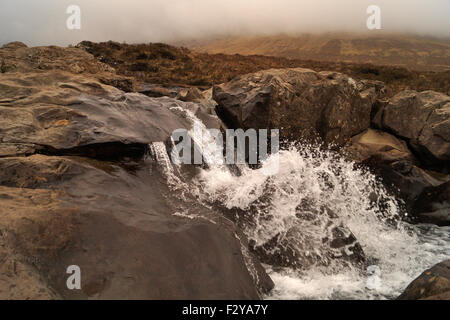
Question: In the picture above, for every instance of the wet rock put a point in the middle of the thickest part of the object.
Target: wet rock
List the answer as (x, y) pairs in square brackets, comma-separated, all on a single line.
[(406, 180), (77, 188), (374, 143), (19, 280), (297, 251), (391, 159), (422, 119), (314, 238), (17, 149), (117, 226), (203, 106), (302, 103), (433, 205), (433, 284), (64, 112)]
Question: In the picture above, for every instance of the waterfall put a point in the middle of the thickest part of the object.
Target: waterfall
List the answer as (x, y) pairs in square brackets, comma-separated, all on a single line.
[(313, 195), (158, 152)]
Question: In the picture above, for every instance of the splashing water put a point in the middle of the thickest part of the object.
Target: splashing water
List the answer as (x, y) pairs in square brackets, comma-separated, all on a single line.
[(309, 182), (309, 178)]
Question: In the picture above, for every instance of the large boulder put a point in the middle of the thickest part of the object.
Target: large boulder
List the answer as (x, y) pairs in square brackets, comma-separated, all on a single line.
[(422, 119), (57, 112), (78, 187), (433, 284), (302, 103), (413, 185), (424, 192)]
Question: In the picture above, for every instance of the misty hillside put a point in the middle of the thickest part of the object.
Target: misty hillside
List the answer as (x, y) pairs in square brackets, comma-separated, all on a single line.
[(424, 54)]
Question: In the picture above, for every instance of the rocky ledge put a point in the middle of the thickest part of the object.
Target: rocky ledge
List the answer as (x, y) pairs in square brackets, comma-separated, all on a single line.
[(77, 188)]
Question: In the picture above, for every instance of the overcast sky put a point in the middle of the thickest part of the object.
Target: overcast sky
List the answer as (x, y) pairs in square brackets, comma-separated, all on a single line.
[(43, 22)]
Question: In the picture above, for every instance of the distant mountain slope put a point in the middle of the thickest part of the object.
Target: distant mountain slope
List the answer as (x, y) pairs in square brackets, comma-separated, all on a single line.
[(417, 53)]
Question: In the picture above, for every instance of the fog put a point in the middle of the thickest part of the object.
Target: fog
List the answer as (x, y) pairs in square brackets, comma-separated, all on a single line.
[(43, 22)]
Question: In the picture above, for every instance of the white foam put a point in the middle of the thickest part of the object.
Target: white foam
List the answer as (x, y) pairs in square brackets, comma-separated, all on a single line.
[(400, 251)]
